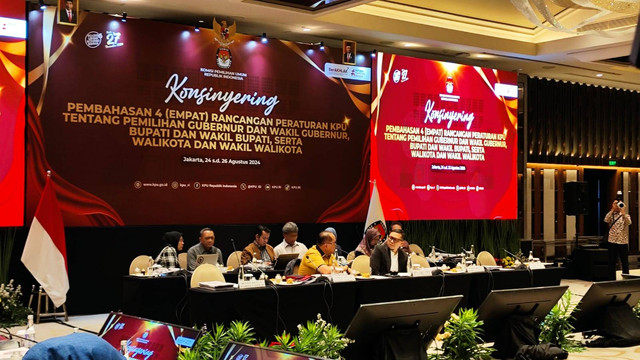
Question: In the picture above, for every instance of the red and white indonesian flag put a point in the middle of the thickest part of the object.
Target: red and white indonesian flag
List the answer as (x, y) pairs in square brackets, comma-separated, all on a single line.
[(45, 252), (375, 216)]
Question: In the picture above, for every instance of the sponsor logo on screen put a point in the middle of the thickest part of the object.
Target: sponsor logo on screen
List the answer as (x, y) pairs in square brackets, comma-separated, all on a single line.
[(347, 72), (13, 28), (506, 90), (93, 39), (400, 75), (113, 39)]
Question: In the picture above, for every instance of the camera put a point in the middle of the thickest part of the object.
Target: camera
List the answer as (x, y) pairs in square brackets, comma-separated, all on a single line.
[(620, 204)]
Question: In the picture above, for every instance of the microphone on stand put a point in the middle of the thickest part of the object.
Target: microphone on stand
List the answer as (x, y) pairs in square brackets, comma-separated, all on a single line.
[(321, 277), (510, 254), (436, 249), (241, 267), (312, 263)]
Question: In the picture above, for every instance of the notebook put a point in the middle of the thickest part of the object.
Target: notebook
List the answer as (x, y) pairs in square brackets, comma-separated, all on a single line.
[(283, 260), (207, 259)]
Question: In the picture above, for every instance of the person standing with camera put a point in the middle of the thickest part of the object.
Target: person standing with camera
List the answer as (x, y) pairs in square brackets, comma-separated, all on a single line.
[(618, 241)]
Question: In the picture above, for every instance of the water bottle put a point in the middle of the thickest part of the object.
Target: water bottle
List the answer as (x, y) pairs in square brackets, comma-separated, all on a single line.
[(30, 333), (124, 349), (432, 254), (409, 265), (463, 263), (472, 254), (531, 256)]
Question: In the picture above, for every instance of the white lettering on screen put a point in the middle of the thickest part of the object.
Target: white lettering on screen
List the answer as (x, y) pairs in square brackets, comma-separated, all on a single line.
[(181, 93), (451, 116)]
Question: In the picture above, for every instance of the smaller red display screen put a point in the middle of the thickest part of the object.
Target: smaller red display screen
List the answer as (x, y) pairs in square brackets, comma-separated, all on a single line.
[(443, 140)]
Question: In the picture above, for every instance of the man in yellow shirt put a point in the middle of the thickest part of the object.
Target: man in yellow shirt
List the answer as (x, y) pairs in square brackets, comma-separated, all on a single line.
[(319, 259)]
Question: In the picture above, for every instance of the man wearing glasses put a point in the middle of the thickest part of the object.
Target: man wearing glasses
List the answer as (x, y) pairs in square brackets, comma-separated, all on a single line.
[(386, 258), (319, 259)]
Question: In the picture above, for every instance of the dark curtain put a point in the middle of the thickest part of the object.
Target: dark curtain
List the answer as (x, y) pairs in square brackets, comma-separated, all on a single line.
[(581, 124)]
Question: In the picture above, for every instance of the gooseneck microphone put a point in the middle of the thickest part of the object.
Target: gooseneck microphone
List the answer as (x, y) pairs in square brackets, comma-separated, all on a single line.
[(436, 249), (312, 263), (510, 254), (241, 267)]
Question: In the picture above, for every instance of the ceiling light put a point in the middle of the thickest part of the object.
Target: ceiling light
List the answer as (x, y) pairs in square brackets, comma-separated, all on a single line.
[(599, 75), (482, 56), (124, 17), (321, 45), (42, 5), (373, 53), (305, 29), (264, 39)]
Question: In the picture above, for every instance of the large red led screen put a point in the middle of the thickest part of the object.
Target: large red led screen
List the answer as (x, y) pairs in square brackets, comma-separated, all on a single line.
[(443, 139), (13, 46), (153, 123)]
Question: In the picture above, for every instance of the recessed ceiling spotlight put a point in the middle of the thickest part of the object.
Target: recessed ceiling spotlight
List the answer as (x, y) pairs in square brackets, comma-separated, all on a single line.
[(410, 45), (548, 67), (482, 56), (599, 75), (305, 29)]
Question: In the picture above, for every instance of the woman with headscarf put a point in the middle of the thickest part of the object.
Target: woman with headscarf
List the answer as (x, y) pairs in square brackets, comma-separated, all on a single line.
[(168, 257), (369, 241)]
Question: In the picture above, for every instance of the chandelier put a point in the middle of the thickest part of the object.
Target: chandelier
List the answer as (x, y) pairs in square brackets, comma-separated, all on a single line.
[(538, 12)]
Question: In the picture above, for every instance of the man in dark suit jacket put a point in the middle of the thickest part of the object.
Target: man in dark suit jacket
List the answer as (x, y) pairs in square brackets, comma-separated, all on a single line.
[(387, 258), (349, 56), (69, 14)]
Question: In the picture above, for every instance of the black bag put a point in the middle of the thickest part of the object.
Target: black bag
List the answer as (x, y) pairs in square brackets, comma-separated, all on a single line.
[(518, 331), (401, 344), (541, 352), (618, 327)]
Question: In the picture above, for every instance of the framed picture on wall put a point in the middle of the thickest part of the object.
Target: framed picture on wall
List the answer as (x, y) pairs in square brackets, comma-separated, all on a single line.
[(349, 52), (68, 12)]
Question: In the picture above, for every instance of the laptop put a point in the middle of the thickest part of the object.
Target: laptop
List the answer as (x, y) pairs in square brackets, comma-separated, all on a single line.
[(207, 259), (153, 340), (283, 260)]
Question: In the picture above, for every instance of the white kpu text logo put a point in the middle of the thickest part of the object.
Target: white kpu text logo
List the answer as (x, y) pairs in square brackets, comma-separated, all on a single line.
[(451, 116)]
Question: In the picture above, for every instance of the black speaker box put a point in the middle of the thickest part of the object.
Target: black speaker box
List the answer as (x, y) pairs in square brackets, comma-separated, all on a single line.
[(576, 198)]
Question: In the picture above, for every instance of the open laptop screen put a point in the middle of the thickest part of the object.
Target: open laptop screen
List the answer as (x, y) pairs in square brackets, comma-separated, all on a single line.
[(147, 339), (207, 259)]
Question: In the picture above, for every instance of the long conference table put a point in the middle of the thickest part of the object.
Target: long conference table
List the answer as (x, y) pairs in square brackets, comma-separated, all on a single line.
[(272, 309)]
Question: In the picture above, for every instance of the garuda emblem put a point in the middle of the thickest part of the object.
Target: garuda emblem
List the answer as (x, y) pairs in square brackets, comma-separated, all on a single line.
[(222, 33)]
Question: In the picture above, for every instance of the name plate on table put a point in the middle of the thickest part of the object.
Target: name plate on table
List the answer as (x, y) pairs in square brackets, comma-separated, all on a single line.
[(253, 283), (475, 269), (536, 265), (341, 277), (423, 271), (216, 285)]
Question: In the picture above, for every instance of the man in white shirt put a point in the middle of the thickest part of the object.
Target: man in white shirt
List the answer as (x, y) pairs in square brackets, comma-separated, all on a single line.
[(289, 244)]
